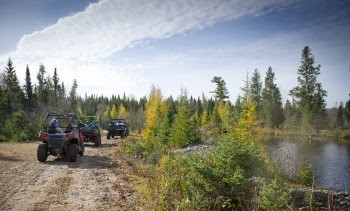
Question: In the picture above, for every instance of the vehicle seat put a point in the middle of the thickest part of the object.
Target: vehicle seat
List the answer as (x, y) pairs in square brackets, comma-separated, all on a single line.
[(69, 128)]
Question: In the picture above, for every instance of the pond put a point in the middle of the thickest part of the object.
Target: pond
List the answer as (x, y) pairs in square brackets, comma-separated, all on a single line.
[(330, 160)]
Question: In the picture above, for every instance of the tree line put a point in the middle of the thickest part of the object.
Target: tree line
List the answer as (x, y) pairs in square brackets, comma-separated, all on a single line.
[(22, 107)]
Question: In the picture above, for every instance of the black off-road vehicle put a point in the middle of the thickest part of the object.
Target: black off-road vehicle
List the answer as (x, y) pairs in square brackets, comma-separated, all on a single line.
[(117, 127), (61, 135), (90, 130)]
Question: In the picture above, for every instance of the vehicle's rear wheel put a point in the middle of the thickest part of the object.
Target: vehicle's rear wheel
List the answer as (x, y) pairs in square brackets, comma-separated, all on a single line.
[(73, 152), (81, 153), (42, 152), (97, 140), (108, 136)]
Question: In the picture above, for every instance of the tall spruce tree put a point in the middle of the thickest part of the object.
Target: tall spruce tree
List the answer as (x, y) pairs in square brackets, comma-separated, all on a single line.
[(291, 114), (28, 89), (340, 116), (56, 87), (271, 102), (221, 92), (246, 89), (42, 91), (347, 111), (73, 96), (13, 91), (255, 90), (309, 94), (183, 132)]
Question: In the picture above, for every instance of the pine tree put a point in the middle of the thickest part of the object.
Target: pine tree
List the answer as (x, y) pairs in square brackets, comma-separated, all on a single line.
[(309, 93), (13, 91), (62, 92), (246, 89), (42, 89), (291, 114), (167, 122), (73, 96), (215, 118), (237, 108), (340, 116), (28, 89), (255, 90), (347, 111), (221, 92), (184, 131), (272, 102), (56, 88)]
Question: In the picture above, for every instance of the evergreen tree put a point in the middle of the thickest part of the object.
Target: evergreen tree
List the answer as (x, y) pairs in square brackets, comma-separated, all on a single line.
[(42, 91), (246, 89), (13, 91), (62, 92), (271, 101), (255, 90), (28, 89), (309, 93), (73, 96), (221, 92), (183, 130), (340, 116), (167, 122), (291, 114), (347, 111), (237, 108), (215, 118), (56, 88)]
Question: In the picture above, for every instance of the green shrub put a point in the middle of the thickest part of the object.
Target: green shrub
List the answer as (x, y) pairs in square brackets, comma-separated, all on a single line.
[(215, 179), (305, 174), (274, 196), (149, 152)]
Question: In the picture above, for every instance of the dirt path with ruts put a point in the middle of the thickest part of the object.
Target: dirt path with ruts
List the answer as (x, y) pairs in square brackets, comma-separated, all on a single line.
[(95, 182)]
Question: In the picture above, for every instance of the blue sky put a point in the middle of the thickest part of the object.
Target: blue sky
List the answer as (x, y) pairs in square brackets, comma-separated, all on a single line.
[(116, 46)]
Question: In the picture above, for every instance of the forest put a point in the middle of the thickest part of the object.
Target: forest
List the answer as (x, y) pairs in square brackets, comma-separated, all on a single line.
[(220, 177)]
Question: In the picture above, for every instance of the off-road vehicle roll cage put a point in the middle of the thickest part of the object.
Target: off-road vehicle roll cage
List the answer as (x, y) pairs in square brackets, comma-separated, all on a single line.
[(60, 135)]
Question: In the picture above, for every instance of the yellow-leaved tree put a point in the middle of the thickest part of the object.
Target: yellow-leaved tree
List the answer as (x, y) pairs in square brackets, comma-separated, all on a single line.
[(223, 110), (123, 113), (107, 113), (155, 108), (247, 123), (205, 117), (114, 112)]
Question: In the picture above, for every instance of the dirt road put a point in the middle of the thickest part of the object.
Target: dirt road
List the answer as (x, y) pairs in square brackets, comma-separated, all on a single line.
[(95, 182)]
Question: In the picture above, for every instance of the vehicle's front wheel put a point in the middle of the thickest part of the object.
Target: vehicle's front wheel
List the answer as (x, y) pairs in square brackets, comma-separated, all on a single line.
[(108, 136), (73, 152), (42, 152)]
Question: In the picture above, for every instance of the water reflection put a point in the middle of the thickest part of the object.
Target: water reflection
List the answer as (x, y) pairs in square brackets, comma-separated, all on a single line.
[(330, 159)]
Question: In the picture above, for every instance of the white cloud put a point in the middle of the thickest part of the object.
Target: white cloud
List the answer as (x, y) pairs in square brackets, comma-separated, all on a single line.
[(111, 25), (83, 42)]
